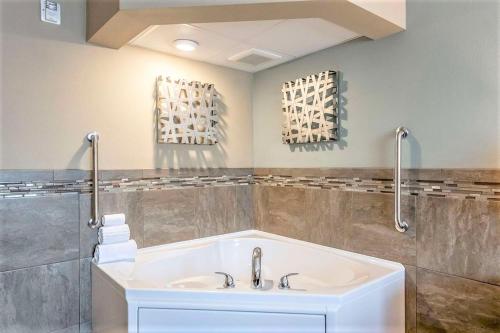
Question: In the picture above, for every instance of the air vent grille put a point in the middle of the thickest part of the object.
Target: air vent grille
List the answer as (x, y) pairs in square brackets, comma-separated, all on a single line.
[(254, 57)]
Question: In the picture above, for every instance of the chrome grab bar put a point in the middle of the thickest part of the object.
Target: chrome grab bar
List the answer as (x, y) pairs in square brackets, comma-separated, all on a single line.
[(401, 225), (95, 220)]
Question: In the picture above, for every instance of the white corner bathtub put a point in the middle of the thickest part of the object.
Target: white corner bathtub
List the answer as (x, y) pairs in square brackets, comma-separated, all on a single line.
[(173, 288)]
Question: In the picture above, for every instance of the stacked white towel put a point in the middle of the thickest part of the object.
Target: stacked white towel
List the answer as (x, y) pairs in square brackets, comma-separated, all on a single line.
[(114, 241), (115, 252), (114, 234), (113, 220)]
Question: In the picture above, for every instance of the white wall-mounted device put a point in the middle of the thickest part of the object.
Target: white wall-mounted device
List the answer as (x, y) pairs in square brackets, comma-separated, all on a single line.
[(50, 11)]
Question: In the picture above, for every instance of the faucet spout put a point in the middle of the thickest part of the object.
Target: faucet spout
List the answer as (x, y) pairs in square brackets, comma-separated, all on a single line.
[(256, 268)]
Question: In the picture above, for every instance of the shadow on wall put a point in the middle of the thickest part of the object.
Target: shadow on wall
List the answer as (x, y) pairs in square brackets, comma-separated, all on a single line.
[(415, 151), (341, 143), (196, 156), (79, 155)]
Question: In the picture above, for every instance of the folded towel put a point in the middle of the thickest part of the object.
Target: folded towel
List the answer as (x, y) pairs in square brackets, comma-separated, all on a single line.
[(113, 219), (114, 234), (115, 252)]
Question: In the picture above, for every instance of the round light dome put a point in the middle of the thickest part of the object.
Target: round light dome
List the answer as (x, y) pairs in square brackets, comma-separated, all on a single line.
[(186, 45)]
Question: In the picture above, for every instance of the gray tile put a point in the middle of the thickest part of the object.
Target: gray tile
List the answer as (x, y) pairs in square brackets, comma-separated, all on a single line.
[(240, 171), (371, 227), (410, 299), (244, 208), (459, 237), (120, 174), (12, 176), (281, 210), (169, 216), (215, 210), (364, 173), (88, 237), (156, 173), (422, 174), (451, 304), (86, 327), (128, 203), (39, 299), (85, 291), (72, 175), (71, 329), (39, 230), (187, 172)]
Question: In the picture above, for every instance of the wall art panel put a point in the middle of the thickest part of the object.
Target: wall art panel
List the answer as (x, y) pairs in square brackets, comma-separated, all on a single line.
[(187, 111), (310, 108)]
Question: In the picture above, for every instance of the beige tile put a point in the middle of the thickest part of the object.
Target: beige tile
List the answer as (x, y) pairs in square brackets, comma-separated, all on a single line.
[(371, 228), (318, 214), (411, 298), (459, 237), (169, 216), (472, 175), (447, 303), (281, 210), (259, 203), (244, 208), (215, 210), (327, 212)]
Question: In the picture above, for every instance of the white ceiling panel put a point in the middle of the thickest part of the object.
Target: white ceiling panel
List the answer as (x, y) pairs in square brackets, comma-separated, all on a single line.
[(162, 37), (241, 31), (220, 41), (302, 36)]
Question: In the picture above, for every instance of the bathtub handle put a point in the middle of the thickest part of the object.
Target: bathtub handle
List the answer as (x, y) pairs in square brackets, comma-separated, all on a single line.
[(228, 281), (284, 281)]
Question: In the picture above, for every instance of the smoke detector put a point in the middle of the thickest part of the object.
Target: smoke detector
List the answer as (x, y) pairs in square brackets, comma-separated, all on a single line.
[(254, 57)]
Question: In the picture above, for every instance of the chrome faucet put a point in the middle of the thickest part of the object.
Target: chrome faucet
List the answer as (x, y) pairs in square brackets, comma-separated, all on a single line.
[(256, 268)]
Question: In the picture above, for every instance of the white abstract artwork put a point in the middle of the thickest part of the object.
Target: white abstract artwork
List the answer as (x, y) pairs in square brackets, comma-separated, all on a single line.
[(186, 111), (310, 109)]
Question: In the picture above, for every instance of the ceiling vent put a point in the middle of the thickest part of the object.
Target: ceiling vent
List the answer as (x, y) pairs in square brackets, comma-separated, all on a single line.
[(254, 57)]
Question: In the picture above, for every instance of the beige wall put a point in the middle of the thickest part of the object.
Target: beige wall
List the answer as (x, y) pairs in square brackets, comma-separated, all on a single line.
[(55, 88), (440, 78)]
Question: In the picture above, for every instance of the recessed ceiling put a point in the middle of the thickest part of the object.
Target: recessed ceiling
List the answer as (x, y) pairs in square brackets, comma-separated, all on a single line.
[(246, 45)]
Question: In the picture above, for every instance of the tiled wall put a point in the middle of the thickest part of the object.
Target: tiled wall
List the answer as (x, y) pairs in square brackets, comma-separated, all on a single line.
[(46, 246), (451, 252)]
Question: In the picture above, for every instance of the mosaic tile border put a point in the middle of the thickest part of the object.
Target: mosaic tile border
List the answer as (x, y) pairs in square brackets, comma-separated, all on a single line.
[(435, 188), (472, 184), (39, 188)]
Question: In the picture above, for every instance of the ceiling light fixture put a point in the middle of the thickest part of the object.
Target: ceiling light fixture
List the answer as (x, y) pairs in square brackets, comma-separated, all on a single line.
[(186, 45)]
